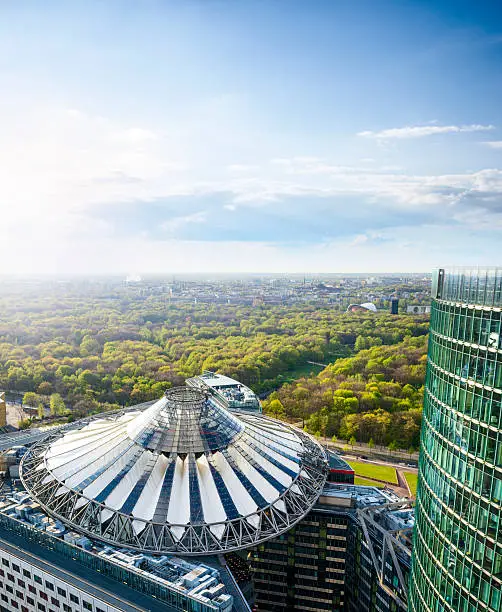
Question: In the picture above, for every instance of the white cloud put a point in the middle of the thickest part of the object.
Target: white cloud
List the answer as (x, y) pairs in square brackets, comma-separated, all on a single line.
[(58, 165), (176, 223), (419, 131), (493, 144)]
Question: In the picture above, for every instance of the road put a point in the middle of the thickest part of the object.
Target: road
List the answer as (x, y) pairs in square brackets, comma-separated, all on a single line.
[(20, 438)]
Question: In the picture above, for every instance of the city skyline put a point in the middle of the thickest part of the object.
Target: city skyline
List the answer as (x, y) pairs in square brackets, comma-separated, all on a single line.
[(168, 137)]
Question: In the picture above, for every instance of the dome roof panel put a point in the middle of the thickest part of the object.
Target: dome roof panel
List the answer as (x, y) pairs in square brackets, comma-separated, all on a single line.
[(178, 476)]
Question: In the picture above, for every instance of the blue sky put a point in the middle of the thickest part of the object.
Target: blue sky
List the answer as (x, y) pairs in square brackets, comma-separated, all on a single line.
[(250, 135)]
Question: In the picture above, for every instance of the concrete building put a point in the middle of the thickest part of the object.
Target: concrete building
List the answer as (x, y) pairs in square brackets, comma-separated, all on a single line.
[(418, 309)]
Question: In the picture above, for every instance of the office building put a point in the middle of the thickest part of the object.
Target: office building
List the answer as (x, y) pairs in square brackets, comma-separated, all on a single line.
[(394, 306), (350, 553), (457, 549)]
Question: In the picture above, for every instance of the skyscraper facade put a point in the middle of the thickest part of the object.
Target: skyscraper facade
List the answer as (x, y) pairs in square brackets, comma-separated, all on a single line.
[(457, 552)]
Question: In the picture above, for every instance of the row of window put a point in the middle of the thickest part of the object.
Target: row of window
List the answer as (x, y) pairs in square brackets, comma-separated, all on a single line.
[(474, 286), (476, 403), (467, 362), (476, 326), (7, 577)]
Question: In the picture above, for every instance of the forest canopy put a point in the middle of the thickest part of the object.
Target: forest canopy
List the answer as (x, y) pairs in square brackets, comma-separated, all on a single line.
[(100, 351)]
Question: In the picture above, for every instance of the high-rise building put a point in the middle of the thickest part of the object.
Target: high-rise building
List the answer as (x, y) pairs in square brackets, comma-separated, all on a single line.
[(394, 306), (457, 548)]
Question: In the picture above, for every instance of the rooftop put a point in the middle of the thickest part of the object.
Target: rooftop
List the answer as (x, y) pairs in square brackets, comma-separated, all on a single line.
[(183, 475)]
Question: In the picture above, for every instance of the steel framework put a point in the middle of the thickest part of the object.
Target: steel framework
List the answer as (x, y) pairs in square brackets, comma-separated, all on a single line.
[(386, 544), (98, 519)]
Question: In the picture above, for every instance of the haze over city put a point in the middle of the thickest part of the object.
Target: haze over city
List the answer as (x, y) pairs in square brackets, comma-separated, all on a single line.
[(161, 137)]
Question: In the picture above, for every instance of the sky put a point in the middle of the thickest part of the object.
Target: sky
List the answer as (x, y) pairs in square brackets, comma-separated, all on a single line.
[(299, 136)]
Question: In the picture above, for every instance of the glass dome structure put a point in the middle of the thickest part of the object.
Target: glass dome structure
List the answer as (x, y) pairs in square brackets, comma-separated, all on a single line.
[(183, 476)]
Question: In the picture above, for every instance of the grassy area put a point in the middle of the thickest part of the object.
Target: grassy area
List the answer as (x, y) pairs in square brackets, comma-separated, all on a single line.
[(306, 369), (368, 483), (369, 470), (411, 479)]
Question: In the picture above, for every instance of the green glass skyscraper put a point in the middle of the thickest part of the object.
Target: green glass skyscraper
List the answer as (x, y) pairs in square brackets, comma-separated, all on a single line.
[(457, 552)]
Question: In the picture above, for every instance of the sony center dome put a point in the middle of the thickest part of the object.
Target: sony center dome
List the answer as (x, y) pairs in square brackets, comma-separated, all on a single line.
[(183, 476)]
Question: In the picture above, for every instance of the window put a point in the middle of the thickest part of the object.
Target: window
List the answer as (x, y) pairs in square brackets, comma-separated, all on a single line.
[(9, 589), (74, 598), (43, 595), (19, 595), (31, 588), (5, 562), (41, 607), (21, 583), (4, 597), (24, 609), (37, 579), (87, 605), (49, 585), (26, 573), (14, 603), (30, 601), (16, 568), (55, 602), (10, 577), (61, 592), (66, 608)]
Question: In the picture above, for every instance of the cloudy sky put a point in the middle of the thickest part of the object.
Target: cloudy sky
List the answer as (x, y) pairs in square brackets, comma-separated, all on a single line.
[(250, 135)]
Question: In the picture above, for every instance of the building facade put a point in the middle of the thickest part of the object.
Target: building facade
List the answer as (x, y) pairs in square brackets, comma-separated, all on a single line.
[(457, 550), (346, 555)]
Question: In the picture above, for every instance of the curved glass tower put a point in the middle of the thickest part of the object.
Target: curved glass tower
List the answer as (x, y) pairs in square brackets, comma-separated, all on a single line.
[(457, 553)]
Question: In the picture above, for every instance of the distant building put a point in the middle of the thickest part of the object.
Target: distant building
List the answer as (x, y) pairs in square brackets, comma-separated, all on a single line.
[(339, 470), (418, 309), (3, 410), (394, 306), (367, 306)]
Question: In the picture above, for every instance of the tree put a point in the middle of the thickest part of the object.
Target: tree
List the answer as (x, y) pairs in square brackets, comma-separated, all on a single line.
[(352, 441), (392, 446), (44, 388), (40, 411), (276, 408), (24, 423), (31, 399), (371, 444), (57, 404)]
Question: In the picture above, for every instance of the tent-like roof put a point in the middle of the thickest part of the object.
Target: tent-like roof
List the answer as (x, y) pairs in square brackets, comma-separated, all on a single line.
[(182, 476)]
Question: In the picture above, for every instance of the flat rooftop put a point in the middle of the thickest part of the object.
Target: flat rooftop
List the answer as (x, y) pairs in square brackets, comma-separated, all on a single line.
[(96, 584)]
